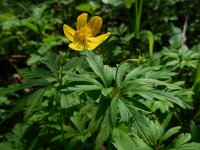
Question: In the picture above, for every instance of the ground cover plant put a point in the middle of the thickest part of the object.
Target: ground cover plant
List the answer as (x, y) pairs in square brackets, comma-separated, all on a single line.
[(99, 74)]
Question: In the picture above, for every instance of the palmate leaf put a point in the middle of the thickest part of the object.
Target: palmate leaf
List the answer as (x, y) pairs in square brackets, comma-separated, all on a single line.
[(124, 112), (53, 63), (104, 131), (86, 79), (73, 62), (122, 141), (135, 104), (149, 93), (187, 146), (113, 111), (29, 83), (154, 82), (7, 146), (81, 88), (97, 66), (109, 74), (180, 140), (36, 73), (30, 100), (136, 72), (120, 72), (169, 133), (69, 100)]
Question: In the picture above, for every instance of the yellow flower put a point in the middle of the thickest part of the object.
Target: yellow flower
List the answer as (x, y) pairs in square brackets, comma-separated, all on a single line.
[(84, 36)]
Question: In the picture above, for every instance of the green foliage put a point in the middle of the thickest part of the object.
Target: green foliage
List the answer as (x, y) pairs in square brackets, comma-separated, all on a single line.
[(139, 90)]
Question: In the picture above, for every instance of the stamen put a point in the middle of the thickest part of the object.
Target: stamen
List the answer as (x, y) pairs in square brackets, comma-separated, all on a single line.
[(82, 35)]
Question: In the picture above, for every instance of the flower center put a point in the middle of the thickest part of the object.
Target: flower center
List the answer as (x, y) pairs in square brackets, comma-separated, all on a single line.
[(85, 31), (81, 35)]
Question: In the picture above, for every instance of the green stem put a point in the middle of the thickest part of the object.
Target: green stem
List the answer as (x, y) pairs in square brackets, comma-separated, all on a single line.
[(62, 111), (138, 14), (62, 121), (136, 18)]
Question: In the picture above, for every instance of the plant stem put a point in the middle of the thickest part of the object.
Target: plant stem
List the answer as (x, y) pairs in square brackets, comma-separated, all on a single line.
[(138, 14), (62, 120), (62, 111)]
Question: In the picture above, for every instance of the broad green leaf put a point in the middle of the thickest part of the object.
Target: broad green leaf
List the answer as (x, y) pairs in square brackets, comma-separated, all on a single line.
[(136, 72), (97, 65), (180, 140), (151, 42), (73, 62), (85, 88), (169, 133), (195, 131), (139, 125), (73, 142), (78, 121), (6, 146), (104, 131), (109, 74), (155, 131), (120, 72), (27, 84), (85, 79), (113, 111), (122, 141), (84, 7), (135, 104), (69, 100), (33, 102), (167, 121), (24, 101), (188, 146), (123, 111)]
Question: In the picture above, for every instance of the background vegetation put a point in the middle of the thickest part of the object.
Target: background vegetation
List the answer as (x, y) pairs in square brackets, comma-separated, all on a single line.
[(140, 89)]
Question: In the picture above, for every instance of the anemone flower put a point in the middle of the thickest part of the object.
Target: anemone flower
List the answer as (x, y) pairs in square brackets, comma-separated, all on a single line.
[(85, 35)]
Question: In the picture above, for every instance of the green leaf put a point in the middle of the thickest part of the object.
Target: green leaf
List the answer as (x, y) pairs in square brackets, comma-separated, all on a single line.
[(85, 88), (180, 140), (87, 7), (175, 39), (6, 146), (188, 146), (169, 133), (33, 102), (69, 100), (135, 104), (195, 131), (27, 84), (123, 111), (84, 7), (73, 62), (97, 65), (166, 121), (113, 111), (120, 72), (104, 132), (85, 79), (109, 74), (122, 141), (115, 2), (136, 72), (78, 121), (151, 42)]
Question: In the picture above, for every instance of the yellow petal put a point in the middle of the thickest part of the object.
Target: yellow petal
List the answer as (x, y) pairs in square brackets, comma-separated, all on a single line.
[(93, 42), (81, 20), (95, 24), (69, 32), (76, 47)]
